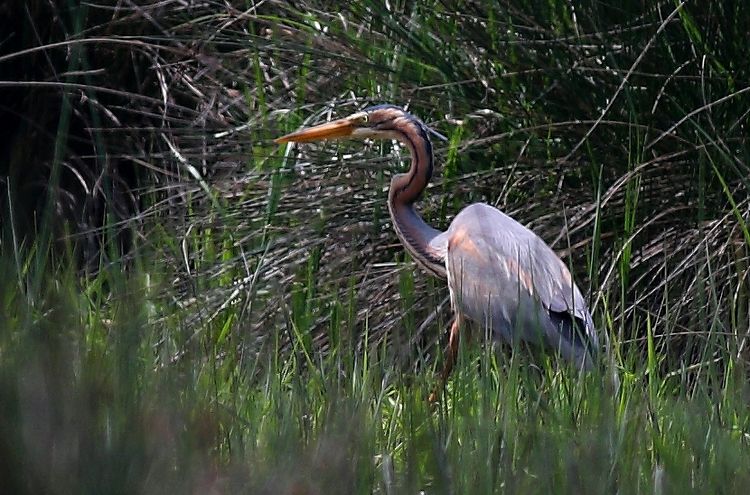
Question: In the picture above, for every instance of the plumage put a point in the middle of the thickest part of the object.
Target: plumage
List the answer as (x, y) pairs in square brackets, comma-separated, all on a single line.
[(502, 275)]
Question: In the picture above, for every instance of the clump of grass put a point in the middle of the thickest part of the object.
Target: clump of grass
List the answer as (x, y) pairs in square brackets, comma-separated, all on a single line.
[(91, 403)]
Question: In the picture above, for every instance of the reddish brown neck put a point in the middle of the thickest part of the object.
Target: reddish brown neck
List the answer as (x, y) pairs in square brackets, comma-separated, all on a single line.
[(414, 233)]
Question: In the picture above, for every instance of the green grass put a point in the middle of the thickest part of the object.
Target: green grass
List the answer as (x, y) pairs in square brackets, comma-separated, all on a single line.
[(194, 308), (93, 399)]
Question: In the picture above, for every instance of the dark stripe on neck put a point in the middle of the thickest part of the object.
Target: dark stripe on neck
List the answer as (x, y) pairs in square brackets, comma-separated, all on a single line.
[(414, 170), (425, 258)]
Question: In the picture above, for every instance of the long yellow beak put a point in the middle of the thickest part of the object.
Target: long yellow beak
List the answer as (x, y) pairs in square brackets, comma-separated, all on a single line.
[(329, 130)]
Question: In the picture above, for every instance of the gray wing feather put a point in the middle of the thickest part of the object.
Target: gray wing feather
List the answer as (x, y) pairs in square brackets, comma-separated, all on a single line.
[(503, 275)]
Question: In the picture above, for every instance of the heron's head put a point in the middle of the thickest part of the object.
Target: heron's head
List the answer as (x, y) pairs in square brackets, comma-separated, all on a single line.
[(378, 122)]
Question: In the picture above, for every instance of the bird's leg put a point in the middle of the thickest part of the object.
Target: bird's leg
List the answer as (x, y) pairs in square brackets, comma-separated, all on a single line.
[(451, 356), (451, 352)]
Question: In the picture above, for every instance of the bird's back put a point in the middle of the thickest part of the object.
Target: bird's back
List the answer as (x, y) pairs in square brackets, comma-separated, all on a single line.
[(505, 277)]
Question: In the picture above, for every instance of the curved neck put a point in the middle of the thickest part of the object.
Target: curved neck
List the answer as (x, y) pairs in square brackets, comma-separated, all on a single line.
[(415, 234)]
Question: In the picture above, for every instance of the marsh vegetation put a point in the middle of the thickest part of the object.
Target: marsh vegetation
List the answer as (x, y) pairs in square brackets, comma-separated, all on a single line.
[(189, 307)]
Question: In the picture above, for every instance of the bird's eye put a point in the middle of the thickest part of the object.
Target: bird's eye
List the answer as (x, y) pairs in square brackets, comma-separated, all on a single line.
[(359, 119)]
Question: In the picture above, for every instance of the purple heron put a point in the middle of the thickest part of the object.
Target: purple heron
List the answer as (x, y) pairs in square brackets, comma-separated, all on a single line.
[(500, 274)]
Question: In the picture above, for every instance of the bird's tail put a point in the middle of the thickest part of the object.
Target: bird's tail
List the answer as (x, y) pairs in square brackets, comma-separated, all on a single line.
[(574, 339)]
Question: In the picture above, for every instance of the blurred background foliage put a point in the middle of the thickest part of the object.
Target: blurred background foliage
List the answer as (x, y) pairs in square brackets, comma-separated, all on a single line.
[(139, 174)]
